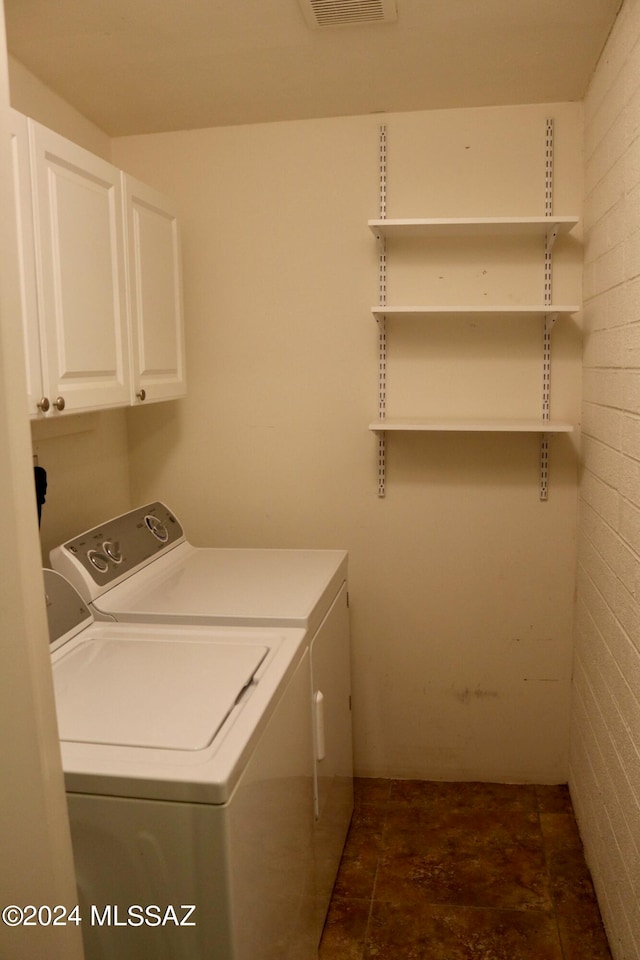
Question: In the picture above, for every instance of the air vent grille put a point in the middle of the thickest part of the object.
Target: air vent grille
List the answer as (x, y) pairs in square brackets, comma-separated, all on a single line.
[(337, 13)]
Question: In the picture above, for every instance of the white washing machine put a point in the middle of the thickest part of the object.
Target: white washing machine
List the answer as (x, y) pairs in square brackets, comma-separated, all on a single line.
[(139, 567), (189, 781)]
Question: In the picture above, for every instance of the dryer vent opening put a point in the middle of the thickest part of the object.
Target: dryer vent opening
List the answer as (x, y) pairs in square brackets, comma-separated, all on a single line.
[(338, 13)]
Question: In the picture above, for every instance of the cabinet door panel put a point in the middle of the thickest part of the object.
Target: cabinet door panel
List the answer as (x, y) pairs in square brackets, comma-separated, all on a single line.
[(81, 272), (153, 255), (36, 388)]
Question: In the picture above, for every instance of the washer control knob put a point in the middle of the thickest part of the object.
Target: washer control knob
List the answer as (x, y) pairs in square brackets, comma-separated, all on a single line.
[(112, 550), (98, 560), (157, 528)]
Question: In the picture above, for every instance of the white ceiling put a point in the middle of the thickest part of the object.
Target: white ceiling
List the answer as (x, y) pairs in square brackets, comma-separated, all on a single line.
[(141, 66)]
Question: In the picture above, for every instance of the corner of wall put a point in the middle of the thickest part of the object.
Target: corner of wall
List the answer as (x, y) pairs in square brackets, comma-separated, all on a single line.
[(29, 95)]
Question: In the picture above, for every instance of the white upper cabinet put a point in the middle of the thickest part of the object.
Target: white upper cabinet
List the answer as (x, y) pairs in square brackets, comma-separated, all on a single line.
[(155, 294), (100, 279), (81, 277)]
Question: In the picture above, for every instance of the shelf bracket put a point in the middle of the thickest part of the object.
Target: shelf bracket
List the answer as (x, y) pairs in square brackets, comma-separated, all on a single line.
[(382, 327), (550, 237)]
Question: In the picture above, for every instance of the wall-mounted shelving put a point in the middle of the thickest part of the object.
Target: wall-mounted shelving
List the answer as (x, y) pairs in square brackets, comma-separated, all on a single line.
[(399, 424), (515, 310), (548, 228), (438, 228)]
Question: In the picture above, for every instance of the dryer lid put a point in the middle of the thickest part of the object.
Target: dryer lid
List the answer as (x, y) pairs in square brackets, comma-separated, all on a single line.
[(226, 585), (169, 694)]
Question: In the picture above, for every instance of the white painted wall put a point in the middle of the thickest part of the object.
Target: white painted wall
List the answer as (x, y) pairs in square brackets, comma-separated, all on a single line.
[(31, 96), (461, 580), (37, 866), (605, 733)]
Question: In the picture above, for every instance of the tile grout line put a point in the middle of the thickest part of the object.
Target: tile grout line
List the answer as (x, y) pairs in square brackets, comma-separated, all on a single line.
[(545, 847), (375, 878)]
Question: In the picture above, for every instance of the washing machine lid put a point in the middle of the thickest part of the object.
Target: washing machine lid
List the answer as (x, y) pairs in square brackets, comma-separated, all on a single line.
[(168, 693)]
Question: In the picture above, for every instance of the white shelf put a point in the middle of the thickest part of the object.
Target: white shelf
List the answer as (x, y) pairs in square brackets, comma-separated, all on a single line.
[(473, 227), (471, 426), (538, 310)]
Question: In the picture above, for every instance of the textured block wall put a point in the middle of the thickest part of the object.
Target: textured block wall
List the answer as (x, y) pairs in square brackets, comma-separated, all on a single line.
[(605, 737)]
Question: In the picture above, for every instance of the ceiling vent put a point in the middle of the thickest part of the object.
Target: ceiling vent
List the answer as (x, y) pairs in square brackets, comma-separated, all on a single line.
[(338, 13)]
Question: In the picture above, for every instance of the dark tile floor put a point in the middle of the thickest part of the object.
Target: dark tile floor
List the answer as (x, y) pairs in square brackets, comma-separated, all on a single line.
[(463, 871)]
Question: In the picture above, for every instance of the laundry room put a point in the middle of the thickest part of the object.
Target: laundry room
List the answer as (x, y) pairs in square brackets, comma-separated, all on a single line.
[(493, 571)]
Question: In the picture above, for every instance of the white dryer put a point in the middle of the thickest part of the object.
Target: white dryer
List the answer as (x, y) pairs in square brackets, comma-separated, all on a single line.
[(186, 759), (139, 567)]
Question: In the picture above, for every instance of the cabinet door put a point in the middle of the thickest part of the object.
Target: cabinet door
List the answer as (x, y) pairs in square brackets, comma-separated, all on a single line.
[(80, 257), (155, 292), (36, 389)]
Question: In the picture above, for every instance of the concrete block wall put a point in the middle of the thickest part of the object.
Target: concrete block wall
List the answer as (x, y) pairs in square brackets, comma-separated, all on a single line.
[(605, 734)]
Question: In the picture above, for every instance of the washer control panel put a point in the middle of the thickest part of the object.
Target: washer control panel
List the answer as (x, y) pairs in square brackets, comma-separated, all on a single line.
[(120, 545)]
